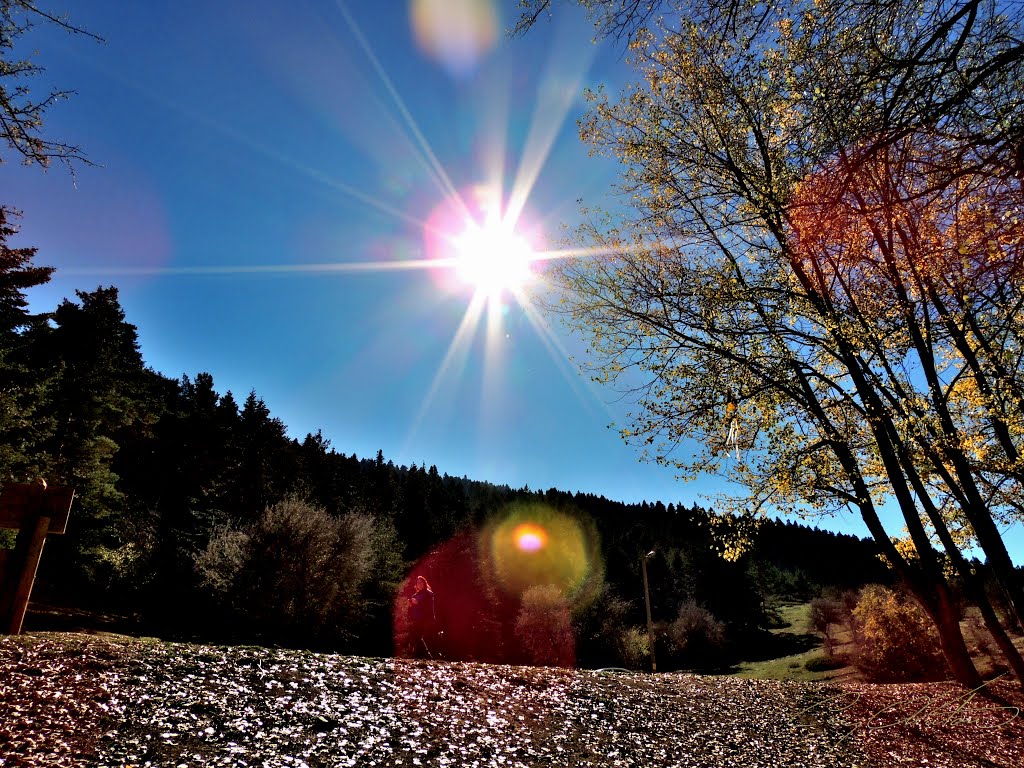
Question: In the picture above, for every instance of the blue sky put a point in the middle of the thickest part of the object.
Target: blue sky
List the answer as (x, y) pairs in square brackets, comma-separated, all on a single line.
[(246, 149)]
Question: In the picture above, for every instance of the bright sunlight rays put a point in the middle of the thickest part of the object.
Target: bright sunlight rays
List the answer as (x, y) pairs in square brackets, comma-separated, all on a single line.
[(493, 259), (480, 239)]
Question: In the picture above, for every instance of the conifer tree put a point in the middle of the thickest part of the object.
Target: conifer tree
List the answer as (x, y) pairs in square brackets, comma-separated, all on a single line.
[(101, 397), (22, 386)]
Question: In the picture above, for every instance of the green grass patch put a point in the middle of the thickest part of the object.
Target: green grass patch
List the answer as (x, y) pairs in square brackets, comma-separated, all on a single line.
[(796, 617), (809, 664)]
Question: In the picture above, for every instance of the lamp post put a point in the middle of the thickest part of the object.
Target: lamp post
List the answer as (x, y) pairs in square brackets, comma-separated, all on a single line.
[(647, 601)]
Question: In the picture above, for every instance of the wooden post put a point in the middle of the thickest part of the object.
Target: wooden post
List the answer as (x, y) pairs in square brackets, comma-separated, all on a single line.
[(35, 511), (23, 582)]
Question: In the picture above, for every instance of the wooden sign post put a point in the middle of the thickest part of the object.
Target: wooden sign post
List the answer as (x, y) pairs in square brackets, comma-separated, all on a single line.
[(35, 511)]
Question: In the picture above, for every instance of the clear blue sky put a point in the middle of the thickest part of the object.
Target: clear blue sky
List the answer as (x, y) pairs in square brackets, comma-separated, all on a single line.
[(245, 149)]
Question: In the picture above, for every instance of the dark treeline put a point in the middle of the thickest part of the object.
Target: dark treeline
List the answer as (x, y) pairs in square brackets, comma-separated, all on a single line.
[(197, 516)]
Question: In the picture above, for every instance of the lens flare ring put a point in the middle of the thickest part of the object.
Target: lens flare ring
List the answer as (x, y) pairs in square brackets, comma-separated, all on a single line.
[(535, 545)]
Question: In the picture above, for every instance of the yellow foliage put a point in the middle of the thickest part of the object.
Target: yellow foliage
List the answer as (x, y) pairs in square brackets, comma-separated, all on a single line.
[(896, 640), (856, 292)]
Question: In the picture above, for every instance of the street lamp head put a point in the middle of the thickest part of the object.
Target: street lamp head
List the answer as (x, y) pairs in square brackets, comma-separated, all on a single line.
[(650, 554)]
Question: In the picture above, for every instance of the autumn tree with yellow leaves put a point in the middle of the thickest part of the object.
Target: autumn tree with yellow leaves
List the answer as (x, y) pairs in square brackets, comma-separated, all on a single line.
[(815, 274), (925, 271)]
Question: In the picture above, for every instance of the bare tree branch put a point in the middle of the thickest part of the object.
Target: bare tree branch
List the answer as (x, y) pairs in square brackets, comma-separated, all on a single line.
[(21, 115)]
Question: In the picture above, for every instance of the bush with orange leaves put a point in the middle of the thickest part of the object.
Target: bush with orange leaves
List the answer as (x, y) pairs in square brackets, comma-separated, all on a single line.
[(895, 639)]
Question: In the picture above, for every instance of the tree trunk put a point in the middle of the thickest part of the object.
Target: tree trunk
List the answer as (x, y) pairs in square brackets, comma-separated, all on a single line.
[(947, 620), (926, 583), (972, 583), (1006, 646), (933, 594)]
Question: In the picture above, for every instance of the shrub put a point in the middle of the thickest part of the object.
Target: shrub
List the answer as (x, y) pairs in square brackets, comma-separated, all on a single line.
[(896, 641), (296, 574), (823, 664), (599, 626), (697, 637), (825, 613), (848, 600), (980, 639), (544, 628), (220, 563), (634, 647)]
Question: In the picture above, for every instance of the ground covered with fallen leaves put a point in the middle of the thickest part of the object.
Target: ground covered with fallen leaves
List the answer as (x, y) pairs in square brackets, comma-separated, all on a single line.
[(79, 700)]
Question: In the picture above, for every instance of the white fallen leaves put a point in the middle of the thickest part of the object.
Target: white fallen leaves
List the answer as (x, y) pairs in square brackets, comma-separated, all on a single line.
[(75, 700), (188, 705)]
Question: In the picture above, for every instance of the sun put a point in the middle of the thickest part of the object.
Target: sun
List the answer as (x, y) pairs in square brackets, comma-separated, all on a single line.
[(493, 259)]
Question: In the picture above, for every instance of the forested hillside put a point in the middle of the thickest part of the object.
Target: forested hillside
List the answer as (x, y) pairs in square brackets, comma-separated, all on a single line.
[(197, 516)]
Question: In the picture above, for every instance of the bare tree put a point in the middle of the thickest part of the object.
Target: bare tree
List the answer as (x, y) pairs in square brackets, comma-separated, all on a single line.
[(21, 111)]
